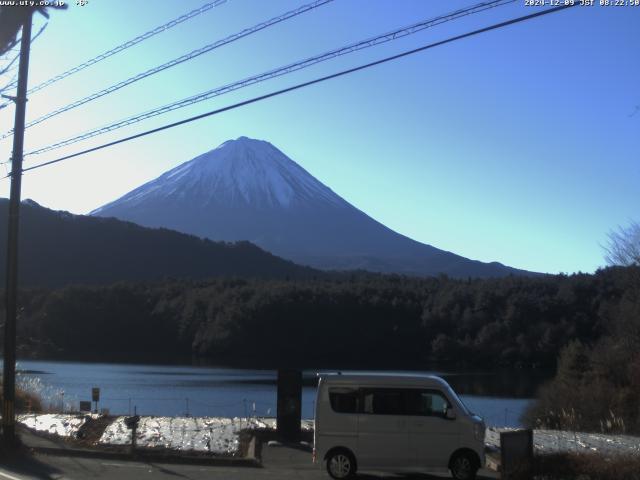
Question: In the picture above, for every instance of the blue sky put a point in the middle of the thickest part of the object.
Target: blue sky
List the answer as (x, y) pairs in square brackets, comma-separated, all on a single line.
[(518, 146)]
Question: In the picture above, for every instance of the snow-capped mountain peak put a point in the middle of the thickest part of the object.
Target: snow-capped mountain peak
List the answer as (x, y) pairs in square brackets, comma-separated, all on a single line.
[(247, 171)]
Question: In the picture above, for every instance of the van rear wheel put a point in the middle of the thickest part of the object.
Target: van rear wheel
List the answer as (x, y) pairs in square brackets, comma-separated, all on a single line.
[(341, 464), (463, 466)]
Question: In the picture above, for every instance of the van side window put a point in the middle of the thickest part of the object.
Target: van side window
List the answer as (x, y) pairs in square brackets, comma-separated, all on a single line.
[(343, 400), (427, 403), (383, 401)]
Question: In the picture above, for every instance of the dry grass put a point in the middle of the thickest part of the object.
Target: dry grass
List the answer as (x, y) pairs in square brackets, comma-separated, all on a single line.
[(572, 421), (26, 402), (586, 466)]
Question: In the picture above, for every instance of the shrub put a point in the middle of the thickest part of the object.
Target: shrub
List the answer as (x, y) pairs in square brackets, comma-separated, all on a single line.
[(25, 401), (596, 388)]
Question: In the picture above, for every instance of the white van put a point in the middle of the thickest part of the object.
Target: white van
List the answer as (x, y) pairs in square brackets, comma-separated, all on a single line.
[(395, 423)]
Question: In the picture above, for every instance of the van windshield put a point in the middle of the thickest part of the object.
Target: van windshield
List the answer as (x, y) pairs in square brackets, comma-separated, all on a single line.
[(455, 397)]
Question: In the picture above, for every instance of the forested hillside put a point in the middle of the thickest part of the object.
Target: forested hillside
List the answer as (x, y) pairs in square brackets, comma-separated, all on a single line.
[(59, 248), (350, 320)]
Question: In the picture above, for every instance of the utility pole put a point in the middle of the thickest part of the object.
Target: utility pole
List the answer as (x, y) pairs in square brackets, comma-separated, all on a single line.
[(11, 289)]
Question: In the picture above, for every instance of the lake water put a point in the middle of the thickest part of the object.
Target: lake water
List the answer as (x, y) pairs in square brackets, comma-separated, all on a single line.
[(499, 397)]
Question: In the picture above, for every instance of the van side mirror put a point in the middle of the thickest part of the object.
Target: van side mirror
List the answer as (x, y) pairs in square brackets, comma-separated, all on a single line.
[(450, 414)]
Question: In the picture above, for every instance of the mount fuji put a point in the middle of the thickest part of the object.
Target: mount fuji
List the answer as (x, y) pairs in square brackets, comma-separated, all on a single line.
[(247, 189)]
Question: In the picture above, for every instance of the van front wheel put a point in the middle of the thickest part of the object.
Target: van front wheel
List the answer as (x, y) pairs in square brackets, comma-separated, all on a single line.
[(463, 466), (341, 464)]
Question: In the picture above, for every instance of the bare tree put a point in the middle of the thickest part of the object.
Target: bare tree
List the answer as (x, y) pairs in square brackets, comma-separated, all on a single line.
[(9, 66), (11, 19), (623, 245)]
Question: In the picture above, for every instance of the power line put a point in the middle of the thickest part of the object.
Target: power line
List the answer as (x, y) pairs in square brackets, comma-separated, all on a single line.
[(130, 43), (305, 84), (176, 61), (299, 65)]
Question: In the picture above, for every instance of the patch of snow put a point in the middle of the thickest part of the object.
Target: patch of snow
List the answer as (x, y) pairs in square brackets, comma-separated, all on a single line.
[(214, 435), (272, 423), (181, 170), (555, 441), (53, 423)]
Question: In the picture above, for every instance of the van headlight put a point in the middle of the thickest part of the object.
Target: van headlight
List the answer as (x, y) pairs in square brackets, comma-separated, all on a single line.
[(478, 431)]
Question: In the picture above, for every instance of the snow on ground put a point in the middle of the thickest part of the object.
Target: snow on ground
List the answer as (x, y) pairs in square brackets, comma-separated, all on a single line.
[(53, 423), (220, 436), (554, 441), (197, 434), (271, 423), (201, 434)]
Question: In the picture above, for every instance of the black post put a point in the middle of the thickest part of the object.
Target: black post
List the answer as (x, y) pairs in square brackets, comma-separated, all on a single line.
[(289, 404), (11, 290), (134, 438)]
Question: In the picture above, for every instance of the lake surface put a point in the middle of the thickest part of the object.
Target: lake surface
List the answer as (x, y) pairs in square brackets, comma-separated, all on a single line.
[(499, 397)]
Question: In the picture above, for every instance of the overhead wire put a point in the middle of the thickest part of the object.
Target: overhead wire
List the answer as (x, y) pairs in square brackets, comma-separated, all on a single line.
[(299, 65), (306, 84), (123, 46), (177, 61)]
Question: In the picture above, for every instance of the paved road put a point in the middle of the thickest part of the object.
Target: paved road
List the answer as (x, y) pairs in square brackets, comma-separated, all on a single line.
[(278, 463)]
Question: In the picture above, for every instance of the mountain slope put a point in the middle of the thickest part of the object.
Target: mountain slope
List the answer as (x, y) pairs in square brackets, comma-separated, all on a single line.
[(58, 248), (249, 190)]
